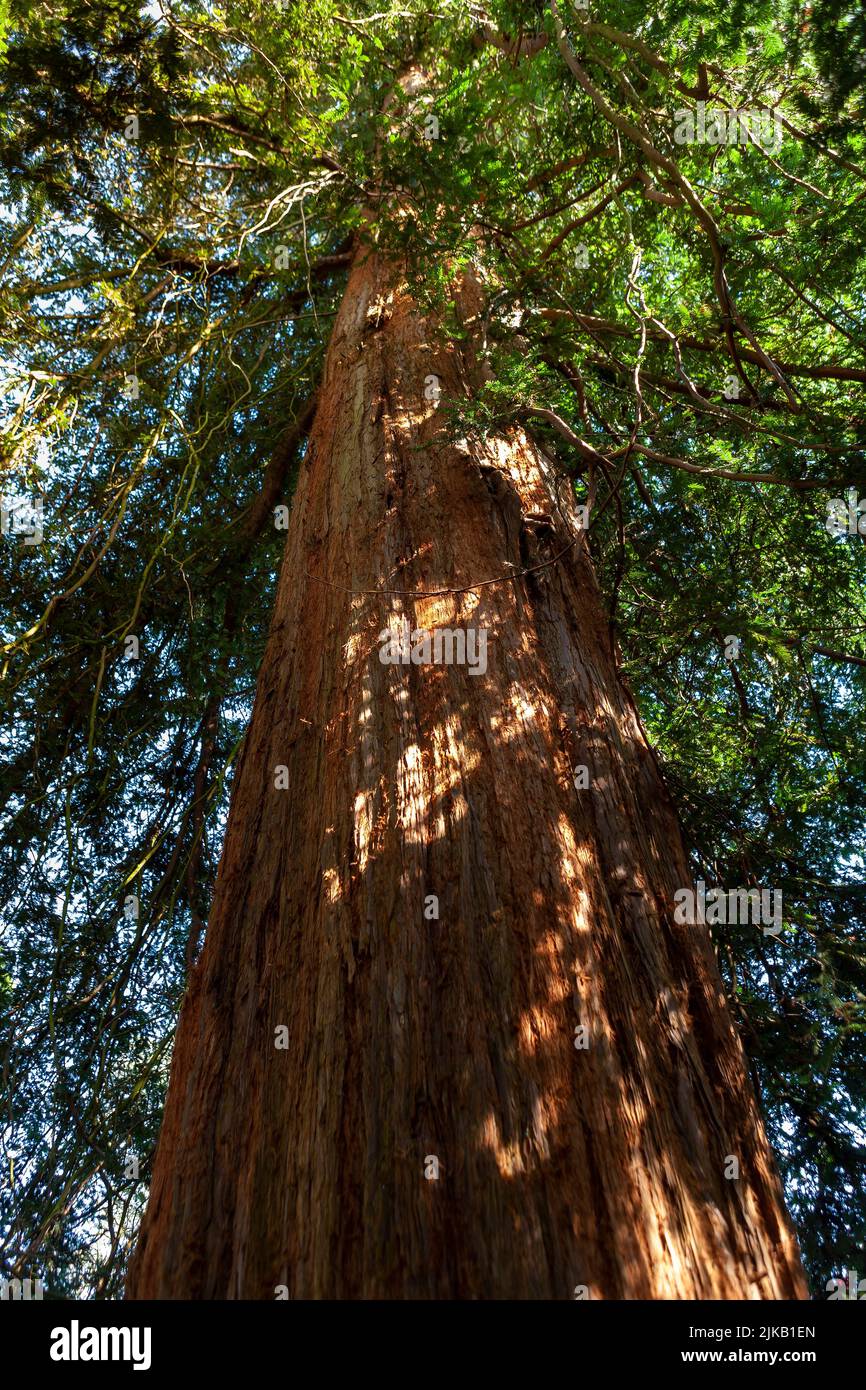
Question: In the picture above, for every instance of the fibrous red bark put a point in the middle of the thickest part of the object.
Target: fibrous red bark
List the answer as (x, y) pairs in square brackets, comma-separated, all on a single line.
[(554, 1040)]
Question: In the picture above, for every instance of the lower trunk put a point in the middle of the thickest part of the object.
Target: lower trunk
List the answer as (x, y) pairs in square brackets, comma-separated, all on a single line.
[(540, 1087)]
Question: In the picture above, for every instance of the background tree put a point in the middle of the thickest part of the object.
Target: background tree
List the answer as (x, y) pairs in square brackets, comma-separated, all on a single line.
[(681, 324)]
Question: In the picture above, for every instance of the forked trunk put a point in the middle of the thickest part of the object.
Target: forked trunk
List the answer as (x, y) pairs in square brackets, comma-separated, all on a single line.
[(539, 1089)]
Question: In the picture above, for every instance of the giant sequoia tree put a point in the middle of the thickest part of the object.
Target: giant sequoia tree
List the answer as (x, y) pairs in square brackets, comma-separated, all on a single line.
[(526, 326)]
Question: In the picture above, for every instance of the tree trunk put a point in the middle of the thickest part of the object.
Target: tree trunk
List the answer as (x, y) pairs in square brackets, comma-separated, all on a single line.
[(408, 1039)]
